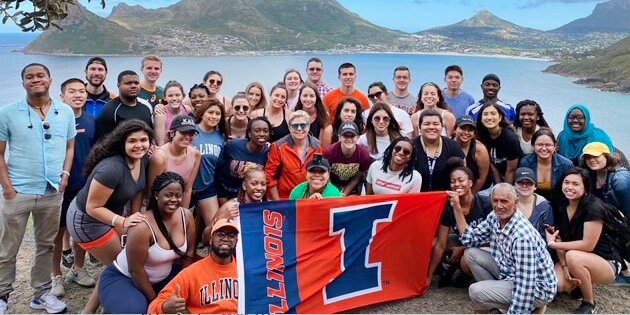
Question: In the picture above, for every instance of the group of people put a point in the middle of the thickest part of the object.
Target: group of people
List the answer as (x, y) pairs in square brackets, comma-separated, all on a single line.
[(139, 178)]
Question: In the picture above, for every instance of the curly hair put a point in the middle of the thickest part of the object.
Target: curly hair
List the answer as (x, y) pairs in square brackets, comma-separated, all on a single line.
[(198, 87), (251, 123), (248, 171), (387, 158), (160, 182), (114, 143), (322, 113), (358, 119)]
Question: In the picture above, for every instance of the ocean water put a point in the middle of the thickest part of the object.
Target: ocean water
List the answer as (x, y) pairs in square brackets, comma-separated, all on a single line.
[(520, 78)]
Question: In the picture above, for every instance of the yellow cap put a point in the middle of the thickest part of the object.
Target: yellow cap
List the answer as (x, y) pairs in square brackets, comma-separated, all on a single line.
[(595, 149)]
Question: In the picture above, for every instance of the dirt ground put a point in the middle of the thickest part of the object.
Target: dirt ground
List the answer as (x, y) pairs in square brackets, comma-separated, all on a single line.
[(445, 300)]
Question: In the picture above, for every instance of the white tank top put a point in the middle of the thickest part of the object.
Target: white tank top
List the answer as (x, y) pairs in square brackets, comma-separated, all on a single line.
[(159, 260)]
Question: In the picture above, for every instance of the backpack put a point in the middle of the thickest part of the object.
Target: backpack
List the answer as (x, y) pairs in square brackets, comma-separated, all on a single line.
[(617, 230)]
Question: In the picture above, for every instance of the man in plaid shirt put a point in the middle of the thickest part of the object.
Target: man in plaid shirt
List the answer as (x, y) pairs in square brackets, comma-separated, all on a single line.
[(517, 274)]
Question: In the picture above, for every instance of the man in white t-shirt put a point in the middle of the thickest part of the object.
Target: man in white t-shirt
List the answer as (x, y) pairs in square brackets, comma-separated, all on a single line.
[(377, 92)]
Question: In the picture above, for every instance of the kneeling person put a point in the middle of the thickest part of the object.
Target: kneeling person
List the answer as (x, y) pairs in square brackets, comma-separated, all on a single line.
[(191, 291), (518, 271)]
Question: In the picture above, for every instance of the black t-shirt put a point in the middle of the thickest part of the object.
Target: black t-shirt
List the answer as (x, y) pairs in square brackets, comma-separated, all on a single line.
[(440, 179), (115, 112), (505, 147), (480, 208), (590, 209)]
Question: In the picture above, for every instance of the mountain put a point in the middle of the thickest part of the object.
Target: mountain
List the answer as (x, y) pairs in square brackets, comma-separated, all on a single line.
[(207, 27), (260, 24), (486, 29), (608, 70), (607, 17), (84, 33)]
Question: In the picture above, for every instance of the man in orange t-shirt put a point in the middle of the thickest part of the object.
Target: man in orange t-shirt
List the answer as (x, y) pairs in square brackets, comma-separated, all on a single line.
[(209, 286), (347, 76)]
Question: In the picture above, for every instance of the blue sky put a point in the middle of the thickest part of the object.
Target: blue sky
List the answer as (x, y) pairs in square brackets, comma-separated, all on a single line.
[(416, 15)]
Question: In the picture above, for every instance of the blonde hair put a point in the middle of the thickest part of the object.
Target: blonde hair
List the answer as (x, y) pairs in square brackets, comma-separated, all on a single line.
[(299, 114), (151, 58)]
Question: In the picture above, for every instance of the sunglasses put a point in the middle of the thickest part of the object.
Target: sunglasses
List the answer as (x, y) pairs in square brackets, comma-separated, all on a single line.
[(405, 151), (314, 69), (379, 118), (213, 82), (239, 107), (46, 126), (377, 94), (299, 126)]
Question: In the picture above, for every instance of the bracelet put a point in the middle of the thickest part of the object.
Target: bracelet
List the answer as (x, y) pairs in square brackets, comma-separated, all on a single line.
[(65, 172), (114, 220)]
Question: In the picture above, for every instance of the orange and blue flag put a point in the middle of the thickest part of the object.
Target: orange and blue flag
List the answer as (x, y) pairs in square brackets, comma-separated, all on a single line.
[(331, 255)]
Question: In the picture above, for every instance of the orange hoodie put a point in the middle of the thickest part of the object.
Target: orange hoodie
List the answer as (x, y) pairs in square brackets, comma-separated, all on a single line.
[(208, 287), (284, 167)]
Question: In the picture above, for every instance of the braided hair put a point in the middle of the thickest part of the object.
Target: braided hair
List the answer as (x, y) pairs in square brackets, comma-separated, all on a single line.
[(248, 170), (387, 158), (160, 182)]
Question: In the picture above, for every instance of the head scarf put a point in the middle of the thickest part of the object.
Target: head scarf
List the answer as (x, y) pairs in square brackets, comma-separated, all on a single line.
[(572, 142)]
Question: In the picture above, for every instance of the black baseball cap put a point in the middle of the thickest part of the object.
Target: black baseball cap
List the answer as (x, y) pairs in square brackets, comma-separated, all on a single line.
[(492, 77), (183, 123), (465, 120), (349, 127), (523, 173), (318, 161), (97, 60)]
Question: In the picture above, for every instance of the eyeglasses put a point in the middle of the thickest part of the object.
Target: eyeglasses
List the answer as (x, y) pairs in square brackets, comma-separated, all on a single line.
[(544, 145), (379, 118), (314, 69), (299, 126), (213, 82), (221, 235), (405, 151), (576, 117), (377, 94), (239, 107)]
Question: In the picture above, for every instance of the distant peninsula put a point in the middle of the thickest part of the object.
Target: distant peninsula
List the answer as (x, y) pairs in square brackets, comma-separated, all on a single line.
[(608, 69)]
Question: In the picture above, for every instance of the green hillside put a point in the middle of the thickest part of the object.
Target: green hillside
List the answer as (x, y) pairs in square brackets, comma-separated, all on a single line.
[(608, 70)]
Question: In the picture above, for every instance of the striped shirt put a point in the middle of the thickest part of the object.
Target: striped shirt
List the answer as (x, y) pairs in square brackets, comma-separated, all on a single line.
[(521, 256)]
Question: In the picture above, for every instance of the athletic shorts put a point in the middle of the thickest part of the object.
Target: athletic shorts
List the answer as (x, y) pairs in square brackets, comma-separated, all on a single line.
[(85, 229), (203, 194)]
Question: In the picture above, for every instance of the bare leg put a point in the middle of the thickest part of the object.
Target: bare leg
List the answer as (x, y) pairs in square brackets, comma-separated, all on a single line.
[(589, 268)]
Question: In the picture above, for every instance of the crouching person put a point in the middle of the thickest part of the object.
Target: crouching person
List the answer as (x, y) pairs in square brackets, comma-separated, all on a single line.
[(517, 274), (196, 288)]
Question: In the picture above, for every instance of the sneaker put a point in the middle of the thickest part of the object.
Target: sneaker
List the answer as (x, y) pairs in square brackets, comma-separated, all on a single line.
[(57, 286), (67, 258), (48, 302), (586, 308), (4, 306), (621, 281), (94, 260), (80, 277)]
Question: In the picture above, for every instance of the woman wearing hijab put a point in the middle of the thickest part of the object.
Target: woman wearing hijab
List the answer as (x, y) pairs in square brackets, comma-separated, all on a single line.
[(578, 132)]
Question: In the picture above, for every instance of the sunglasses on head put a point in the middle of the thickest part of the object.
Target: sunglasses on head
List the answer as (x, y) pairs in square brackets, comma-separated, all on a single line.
[(405, 151), (239, 107), (213, 82), (299, 126), (377, 94)]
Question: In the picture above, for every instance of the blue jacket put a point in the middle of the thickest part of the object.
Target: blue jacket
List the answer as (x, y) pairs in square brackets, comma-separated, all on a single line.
[(559, 164), (616, 191)]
